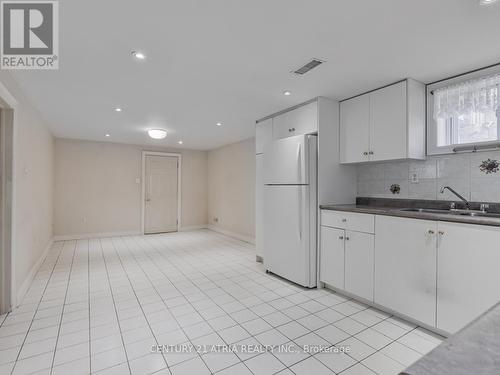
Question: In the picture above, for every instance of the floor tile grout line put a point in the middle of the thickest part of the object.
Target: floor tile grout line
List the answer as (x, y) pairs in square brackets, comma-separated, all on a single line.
[(114, 304), (174, 317), (137, 298), (273, 328), (63, 306), (182, 328), (314, 331), (89, 298), (38, 305)]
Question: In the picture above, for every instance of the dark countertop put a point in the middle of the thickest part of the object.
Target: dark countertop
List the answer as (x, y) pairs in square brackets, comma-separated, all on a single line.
[(473, 350), (390, 207)]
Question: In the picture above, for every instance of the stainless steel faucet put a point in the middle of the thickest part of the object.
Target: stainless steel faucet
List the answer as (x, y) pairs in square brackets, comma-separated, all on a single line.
[(467, 203)]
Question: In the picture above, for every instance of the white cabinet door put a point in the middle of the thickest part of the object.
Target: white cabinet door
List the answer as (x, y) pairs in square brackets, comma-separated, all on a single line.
[(355, 129), (332, 257), (359, 262), (302, 120), (263, 135), (468, 277), (259, 205), (388, 123), (405, 266)]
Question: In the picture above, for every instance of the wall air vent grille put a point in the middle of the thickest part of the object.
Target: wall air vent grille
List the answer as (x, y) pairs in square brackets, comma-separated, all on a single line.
[(307, 67)]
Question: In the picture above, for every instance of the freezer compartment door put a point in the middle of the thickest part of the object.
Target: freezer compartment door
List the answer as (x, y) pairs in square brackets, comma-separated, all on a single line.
[(286, 161), (287, 248)]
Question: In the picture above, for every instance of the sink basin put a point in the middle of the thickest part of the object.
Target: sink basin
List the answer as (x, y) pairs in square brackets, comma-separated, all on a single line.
[(471, 213)]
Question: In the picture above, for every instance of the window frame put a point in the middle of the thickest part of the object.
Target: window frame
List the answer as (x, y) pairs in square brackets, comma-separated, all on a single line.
[(431, 124)]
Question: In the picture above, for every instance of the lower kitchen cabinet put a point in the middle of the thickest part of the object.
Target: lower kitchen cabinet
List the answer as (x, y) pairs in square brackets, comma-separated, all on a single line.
[(331, 269), (359, 260), (405, 267), (468, 278)]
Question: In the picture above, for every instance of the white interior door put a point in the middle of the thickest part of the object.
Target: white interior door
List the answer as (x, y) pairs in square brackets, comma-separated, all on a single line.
[(161, 194)]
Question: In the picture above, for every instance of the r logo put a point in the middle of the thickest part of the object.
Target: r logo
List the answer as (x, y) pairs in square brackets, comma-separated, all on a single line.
[(29, 34), (27, 29)]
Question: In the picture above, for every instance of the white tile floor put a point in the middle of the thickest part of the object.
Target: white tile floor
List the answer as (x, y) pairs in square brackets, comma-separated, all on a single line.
[(98, 306)]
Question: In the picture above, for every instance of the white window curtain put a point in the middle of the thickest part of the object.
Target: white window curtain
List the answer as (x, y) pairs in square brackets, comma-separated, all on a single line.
[(468, 97)]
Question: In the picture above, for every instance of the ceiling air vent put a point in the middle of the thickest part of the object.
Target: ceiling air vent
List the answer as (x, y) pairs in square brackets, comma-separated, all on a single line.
[(309, 66)]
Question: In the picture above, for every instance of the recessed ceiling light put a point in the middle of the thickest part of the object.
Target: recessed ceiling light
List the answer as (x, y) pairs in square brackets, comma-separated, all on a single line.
[(138, 55), (487, 2), (118, 109), (287, 93), (180, 142), (107, 135), (157, 133), (219, 124)]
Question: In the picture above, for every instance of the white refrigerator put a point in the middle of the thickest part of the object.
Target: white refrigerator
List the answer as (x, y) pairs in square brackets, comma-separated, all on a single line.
[(290, 208)]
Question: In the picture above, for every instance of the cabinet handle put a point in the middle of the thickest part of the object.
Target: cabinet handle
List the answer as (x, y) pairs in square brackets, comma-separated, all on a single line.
[(371, 153), (441, 233), (347, 238), (341, 237), (344, 220), (431, 231), (365, 153)]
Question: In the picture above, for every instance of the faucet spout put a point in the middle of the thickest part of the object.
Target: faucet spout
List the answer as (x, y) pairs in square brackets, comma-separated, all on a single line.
[(467, 203)]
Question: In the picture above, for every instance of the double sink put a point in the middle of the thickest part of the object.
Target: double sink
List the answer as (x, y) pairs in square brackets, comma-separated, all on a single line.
[(458, 212)]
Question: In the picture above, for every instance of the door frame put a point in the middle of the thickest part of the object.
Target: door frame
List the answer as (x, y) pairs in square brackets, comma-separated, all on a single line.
[(143, 185), (8, 108)]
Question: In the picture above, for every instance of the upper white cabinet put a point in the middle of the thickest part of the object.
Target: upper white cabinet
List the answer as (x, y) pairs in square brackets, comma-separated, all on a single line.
[(467, 275), (263, 134), (301, 120), (385, 124), (405, 267), (354, 130)]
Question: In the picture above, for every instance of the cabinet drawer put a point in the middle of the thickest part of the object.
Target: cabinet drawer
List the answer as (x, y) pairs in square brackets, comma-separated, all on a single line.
[(348, 220)]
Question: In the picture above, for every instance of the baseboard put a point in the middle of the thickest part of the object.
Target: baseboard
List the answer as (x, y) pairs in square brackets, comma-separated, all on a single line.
[(23, 289), (193, 227), (85, 236), (228, 233)]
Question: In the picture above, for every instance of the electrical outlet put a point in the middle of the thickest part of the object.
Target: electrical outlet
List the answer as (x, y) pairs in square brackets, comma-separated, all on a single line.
[(216, 219), (414, 178)]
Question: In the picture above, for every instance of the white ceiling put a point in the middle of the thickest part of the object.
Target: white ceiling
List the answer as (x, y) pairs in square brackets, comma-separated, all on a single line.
[(229, 60)]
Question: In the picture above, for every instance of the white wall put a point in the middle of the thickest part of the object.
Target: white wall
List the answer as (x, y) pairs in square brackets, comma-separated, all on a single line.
[(33, 174), (96, 189), (231, 189)]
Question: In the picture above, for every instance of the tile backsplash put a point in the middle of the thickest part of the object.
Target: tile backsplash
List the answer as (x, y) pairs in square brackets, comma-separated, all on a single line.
[(424, 179)]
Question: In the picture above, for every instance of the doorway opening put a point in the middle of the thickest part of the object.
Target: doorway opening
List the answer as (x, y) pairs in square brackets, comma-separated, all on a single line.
[(161, 192)]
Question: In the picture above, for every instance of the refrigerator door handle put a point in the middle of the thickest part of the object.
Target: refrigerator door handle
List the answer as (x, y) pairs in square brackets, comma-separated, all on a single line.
[(299, 162), (300, 214)]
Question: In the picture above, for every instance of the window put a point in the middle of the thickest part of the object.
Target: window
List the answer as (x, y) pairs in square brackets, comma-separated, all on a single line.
[(465, 112)]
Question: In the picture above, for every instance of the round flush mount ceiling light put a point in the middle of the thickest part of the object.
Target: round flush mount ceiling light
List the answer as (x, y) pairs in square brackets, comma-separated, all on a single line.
[(138, 55), (157, 133), (219, 124), (118, 109), (287, 93), (107, 135), (487, 2), (180, 142)]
